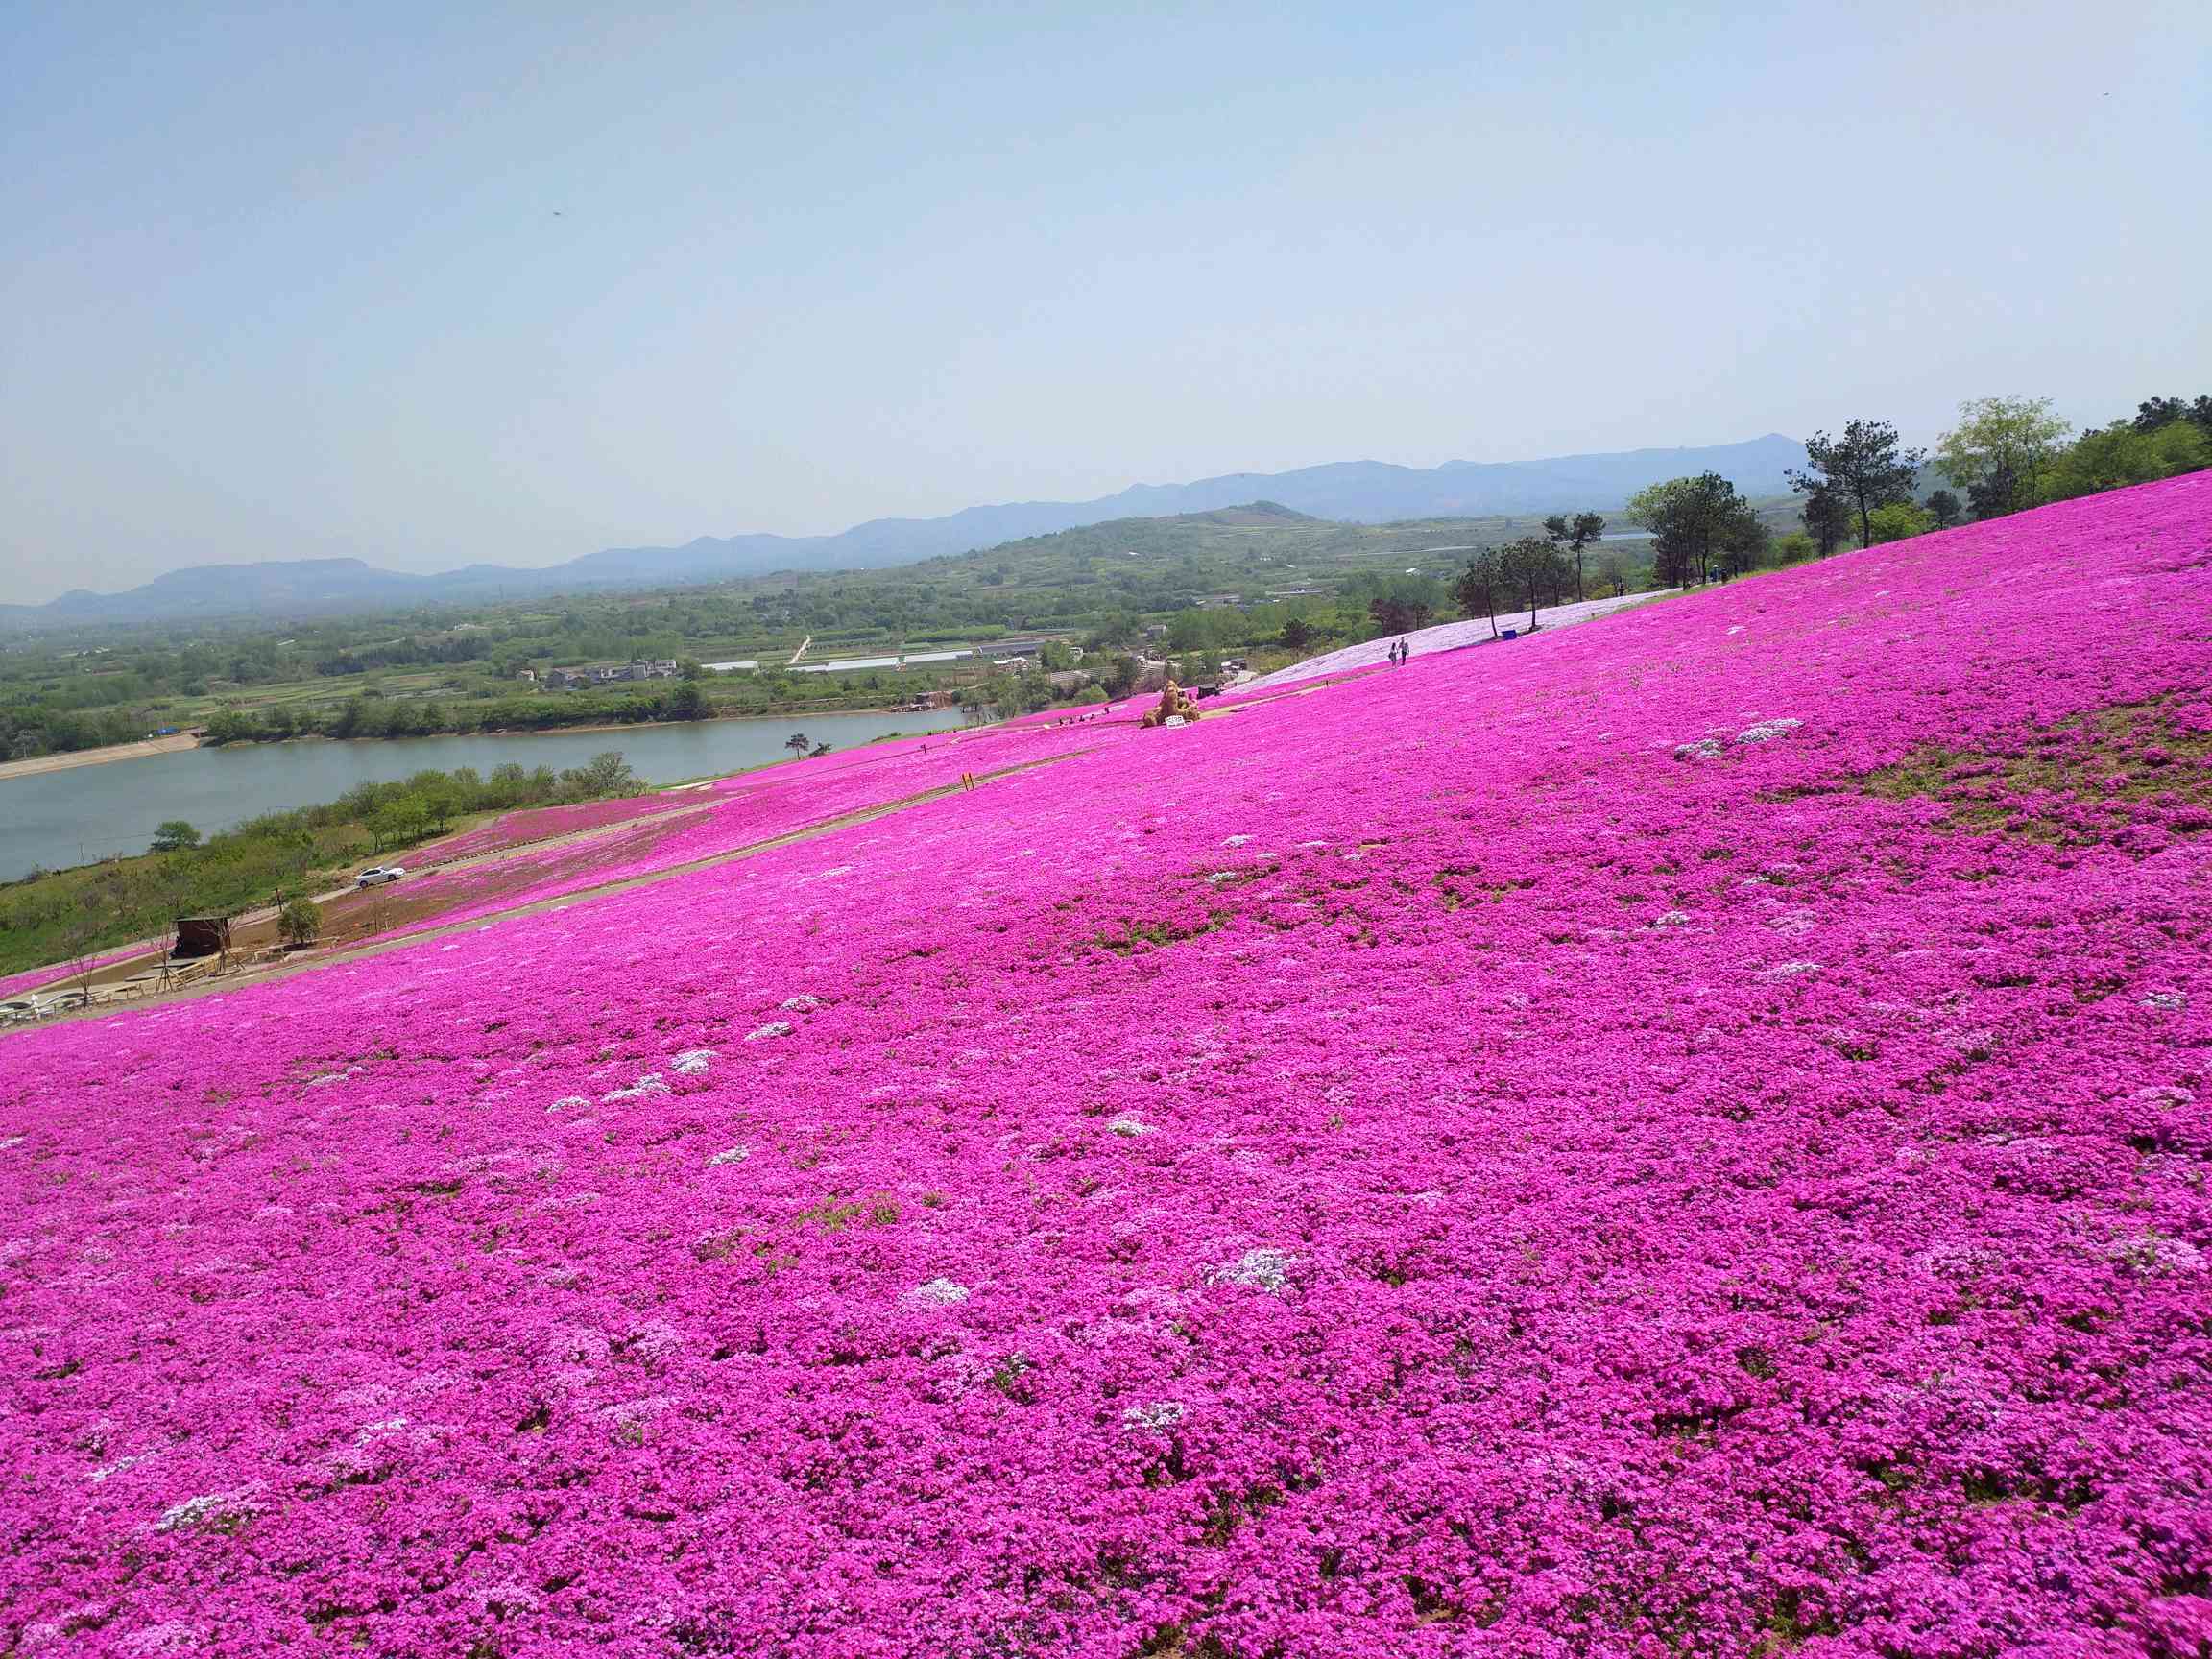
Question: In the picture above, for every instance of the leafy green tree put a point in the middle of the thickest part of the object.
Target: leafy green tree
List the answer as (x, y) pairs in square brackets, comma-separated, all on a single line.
[(1865, 468), (1943, 507), (2155, 413), (229, 726), (1826, 519), (1692, 520), (1900, 521), (1742, 544), (300, 920), (440, 796), (1616, 569), (1570, 536), (690, 669), (399, 821), (1297, 635), (1476, 591), (2116, 456), (1529, 565), (1117, 628), (605, 774), (1395, 615), (686, 702), (2000, 450), (1794, 547), (174, 835), (797, 745)]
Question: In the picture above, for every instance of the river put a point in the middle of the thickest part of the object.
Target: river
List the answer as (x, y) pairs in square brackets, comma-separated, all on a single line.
[(53, 819)]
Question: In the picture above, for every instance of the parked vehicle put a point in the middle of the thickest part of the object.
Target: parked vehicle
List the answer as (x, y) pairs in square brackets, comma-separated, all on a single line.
[(377, 875)]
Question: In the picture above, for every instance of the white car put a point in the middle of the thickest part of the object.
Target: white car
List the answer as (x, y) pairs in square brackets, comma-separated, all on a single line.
[(377, 875)]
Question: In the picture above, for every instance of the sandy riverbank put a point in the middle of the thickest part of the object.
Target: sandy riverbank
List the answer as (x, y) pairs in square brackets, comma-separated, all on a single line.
[(98, 756)]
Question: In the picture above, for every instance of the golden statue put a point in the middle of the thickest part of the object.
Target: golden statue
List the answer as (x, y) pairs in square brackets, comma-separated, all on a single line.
[(1174, 702)]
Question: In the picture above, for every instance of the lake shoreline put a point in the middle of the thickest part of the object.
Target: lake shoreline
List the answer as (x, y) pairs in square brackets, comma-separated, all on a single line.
[(145, 749), (83, 814), (38, 765)]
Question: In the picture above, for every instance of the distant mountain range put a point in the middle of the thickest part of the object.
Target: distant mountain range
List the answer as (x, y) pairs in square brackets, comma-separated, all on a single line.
[(1361, 492)]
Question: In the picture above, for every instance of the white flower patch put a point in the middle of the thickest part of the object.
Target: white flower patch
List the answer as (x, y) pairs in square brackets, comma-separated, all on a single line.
[(1738, 629), (656, 1340), (2168, 1001), (1767, 730), (799, 1005), (1263, 1269), (1791, 970), (774, 1029), (2156, 1253), (692, 1062), (2167, 1095), (734, 1154), (1235, 840), (1131, 1126), (212, 1507), (569, 1103), (938, 1292), (170, 1636), (119, 1465), (1158, 1416), (652, 1083), (1672, 919), (1704, 749), (1953, 1261)]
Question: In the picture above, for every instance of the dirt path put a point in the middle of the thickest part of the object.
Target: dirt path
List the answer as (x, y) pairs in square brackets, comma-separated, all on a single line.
[(139, 751), (311, 963)]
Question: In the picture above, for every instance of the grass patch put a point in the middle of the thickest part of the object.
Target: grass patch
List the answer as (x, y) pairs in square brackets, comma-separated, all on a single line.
[(2070, 785)]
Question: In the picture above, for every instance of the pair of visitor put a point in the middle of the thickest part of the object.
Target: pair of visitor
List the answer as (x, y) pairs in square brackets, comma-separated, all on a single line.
[(1399, 653)]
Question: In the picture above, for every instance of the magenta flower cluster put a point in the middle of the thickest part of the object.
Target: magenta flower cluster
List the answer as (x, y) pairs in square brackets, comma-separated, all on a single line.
[(1551, 1152), (541, 823)]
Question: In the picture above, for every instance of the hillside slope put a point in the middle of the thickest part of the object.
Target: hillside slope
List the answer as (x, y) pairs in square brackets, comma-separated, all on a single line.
[(1683, 1134)]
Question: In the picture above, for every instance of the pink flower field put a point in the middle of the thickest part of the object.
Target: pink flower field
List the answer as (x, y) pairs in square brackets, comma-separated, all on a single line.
[(1680, 1136), (539, 823), (754, 808)]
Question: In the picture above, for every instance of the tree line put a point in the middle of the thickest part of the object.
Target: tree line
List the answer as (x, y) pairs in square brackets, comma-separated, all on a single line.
[(430, 716), (2007, 454)]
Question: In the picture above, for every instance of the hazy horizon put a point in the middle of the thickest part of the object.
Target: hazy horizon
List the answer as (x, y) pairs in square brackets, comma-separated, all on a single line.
[(430, 290)]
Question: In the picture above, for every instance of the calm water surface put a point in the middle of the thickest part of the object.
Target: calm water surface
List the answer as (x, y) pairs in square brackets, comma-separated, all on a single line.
[(73, 817)]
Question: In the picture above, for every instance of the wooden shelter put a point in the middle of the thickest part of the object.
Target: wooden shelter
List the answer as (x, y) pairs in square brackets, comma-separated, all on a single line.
[(200, 936)]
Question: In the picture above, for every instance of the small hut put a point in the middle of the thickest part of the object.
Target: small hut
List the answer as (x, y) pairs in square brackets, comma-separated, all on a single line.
[(199, 936)]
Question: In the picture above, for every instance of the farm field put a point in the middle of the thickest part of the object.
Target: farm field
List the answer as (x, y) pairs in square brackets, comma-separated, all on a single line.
[(1686, 1134)]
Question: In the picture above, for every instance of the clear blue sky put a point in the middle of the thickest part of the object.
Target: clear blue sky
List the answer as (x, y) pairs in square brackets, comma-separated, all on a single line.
[(435, 283)]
